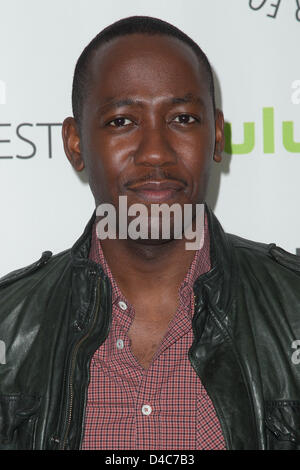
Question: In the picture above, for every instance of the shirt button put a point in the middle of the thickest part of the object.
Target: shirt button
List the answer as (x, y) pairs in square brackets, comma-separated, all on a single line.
[(146, 410), (120, 344), (122, 305)]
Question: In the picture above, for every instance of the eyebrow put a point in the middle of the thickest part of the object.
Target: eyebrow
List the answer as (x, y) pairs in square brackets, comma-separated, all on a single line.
[(113, 104), (188, 98)]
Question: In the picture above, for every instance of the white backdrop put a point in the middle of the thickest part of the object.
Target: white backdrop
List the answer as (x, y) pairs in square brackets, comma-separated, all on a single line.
[(254, 49)]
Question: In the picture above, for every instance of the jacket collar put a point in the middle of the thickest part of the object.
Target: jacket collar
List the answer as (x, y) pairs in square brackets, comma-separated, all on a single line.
[(207, 285), (216, 284), (81, 248)]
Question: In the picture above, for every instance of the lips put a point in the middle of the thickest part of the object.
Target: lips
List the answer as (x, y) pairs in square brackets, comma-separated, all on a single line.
[(157, 190)]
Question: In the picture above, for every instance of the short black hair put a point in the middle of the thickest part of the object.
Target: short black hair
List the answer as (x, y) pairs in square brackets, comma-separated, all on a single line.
[(123, 27)]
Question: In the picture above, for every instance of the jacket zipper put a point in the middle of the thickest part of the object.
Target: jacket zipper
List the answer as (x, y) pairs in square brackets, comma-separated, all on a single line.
[(74, 354)]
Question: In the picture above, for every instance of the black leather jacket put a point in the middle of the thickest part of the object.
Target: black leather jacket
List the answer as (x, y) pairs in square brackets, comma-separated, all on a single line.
[(55, 313)]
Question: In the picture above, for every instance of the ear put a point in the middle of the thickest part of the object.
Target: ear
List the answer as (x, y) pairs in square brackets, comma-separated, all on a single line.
[(220, 140), (71, 139)]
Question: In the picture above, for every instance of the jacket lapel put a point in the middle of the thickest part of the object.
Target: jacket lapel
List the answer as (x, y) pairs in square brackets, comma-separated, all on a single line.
[(213, 353)]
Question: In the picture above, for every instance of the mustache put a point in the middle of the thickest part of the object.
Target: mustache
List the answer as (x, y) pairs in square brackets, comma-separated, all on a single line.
[(157, 175)]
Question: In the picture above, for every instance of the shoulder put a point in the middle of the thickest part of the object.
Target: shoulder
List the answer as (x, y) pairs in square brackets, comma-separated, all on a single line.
[(264, 254), (25, 289), (40, 268)]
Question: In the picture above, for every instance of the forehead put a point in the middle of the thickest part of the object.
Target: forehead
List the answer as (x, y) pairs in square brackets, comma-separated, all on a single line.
[(146, 64)]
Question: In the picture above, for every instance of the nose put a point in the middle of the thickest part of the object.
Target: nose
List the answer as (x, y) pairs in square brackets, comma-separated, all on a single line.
[(154, 148)]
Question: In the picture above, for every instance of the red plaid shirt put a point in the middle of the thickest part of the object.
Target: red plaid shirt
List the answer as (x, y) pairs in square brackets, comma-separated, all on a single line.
[(162, 408)]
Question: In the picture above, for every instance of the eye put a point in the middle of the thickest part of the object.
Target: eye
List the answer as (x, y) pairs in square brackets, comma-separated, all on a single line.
[(185, 119), (119, 122)]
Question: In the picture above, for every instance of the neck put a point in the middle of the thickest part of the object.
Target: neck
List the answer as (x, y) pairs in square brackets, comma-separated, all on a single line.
[(139, 267)]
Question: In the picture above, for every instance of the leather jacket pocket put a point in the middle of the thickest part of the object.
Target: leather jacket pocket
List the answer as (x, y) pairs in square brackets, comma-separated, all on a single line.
[(283, 424), (18, 416)]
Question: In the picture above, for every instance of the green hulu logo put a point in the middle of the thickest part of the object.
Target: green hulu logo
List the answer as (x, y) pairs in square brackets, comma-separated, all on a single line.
[(268, 136)]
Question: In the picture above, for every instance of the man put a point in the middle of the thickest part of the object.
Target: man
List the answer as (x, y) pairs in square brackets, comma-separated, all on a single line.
[(140, 343)]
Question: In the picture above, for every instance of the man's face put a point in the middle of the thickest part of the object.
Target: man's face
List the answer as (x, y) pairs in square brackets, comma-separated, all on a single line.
[(148, 129)]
